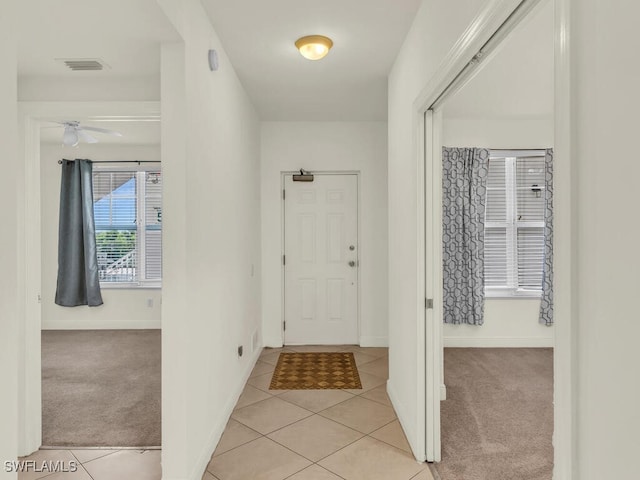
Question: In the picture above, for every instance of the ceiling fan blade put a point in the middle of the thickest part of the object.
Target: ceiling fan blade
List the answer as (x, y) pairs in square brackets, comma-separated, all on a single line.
[(85, 137), (70, 137), (102, 130)]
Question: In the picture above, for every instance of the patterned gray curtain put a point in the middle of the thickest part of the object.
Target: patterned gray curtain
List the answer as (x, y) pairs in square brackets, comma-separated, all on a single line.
[(78, 282), (546, 303), (464, 176)]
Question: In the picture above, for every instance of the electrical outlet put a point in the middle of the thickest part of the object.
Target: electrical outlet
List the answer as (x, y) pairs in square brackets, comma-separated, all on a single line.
[(150, 302), (240, 351)]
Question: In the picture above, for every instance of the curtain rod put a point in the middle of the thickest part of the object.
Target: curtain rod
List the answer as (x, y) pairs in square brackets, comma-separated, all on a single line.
[(119, 161)]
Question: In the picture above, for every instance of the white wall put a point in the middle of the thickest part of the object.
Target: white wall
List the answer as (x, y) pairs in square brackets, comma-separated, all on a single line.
[(505, 133), (40, 89), (507, 322), (9, 183), (437, 26), (122, 308), (328, 146), (605, 173), (211, 220), (603, 178)]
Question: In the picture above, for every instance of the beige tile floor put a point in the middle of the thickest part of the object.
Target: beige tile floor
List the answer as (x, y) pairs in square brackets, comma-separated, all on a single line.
[(282, 434), (102, 464), (316, 434)]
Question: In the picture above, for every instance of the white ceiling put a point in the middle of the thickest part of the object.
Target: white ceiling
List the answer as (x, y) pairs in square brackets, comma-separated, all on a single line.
[(349, 84), (125, 34), (517, 82)]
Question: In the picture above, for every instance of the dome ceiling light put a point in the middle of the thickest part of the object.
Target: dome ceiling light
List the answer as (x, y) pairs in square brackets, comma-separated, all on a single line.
[(314, 47)]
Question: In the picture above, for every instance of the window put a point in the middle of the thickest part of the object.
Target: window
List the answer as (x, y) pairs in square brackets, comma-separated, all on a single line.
[(127, 206), (514, 224)]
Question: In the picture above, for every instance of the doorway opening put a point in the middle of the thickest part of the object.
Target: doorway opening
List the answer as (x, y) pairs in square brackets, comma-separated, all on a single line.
[(57, 330), (492, 119), (91, 356)]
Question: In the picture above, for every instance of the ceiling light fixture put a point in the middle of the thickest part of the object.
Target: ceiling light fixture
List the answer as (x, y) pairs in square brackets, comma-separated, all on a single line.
[(314, 47)]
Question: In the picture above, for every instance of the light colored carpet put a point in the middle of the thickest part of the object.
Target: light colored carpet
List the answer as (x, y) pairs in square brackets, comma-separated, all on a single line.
[(101, 388), (497, 421)]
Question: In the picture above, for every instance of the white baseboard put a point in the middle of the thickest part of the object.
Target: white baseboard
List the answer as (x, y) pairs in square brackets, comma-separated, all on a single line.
[(498, 342), (101, 324), (364, 342), (271, 341), (374, 341), (203, 459), (407, 426)]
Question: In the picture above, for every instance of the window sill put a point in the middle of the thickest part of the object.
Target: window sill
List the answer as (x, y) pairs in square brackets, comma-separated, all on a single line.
[(513, 296), (128, 286)]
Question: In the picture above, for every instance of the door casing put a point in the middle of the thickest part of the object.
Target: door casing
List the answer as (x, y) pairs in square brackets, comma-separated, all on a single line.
[(427, 128), (31, 115), (283, 174)]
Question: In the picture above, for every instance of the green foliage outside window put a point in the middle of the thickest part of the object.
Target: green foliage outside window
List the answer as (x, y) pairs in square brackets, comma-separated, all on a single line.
[(114, 244)]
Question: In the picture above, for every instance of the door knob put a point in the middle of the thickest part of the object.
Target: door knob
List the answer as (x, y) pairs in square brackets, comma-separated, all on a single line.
[(352, 263)]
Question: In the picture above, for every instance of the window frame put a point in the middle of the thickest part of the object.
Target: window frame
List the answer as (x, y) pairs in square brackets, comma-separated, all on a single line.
[(513, 290), (140, 171)]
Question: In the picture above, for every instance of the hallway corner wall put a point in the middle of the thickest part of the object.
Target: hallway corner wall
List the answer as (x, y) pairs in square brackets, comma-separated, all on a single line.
[(12, 174), (604, 174), (436, 28), (211, 221)]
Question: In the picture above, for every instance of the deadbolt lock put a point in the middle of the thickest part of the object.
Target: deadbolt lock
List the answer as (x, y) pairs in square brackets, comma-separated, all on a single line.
[(352, 263)]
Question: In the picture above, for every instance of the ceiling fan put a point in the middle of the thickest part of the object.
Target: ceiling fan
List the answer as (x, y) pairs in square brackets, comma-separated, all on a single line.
[(74, 133)]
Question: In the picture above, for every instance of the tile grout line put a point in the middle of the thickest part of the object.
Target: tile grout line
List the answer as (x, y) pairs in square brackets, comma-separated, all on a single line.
[(320, 411), (237, 446), (375, 439), (277, 443), (316, 461), (87, 471), (390, 406), (387, 443), (101, 456), (384, 425), (313, 413), (301, 455), (79, 463), (320, 466), (316, 413), (284, 426)]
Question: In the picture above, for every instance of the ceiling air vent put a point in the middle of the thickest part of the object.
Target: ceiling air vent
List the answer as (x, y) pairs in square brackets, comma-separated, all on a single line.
[(83, 64)]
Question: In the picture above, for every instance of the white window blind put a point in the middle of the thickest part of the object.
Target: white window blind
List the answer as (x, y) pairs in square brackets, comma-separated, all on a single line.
[(514, 224), (127, 206)]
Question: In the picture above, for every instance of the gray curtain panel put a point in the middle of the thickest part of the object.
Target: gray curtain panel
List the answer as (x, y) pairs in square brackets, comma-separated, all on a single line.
[(78, 282), (464, 177), (546, 303)]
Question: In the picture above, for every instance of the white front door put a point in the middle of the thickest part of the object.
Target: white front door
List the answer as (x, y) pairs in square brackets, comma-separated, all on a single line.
[(321, 260)]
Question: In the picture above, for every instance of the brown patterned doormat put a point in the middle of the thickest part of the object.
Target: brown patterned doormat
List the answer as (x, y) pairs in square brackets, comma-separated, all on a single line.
[(315, 371)]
